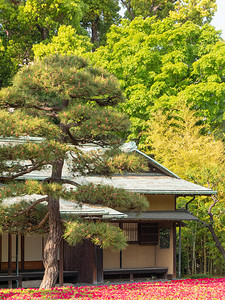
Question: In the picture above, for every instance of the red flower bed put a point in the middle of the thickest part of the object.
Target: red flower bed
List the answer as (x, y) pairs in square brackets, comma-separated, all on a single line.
[(211, 289)]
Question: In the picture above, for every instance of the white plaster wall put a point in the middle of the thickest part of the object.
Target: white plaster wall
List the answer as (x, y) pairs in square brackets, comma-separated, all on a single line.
[(5, 248), (32, 247)]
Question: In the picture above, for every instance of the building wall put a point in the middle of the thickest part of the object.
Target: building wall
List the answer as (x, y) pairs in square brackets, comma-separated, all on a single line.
[(139, 256), (111, 260), (164, 257), (33, 252), (5, 248), (33, 247), (142, 256), (161, 202)]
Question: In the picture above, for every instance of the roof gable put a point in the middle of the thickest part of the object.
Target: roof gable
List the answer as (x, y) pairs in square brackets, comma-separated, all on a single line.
[(154, 166)]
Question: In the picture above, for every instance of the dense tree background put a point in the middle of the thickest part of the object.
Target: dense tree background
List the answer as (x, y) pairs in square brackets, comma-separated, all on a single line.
[(25, 23), (170, 63), (159, 62), (198, 11)]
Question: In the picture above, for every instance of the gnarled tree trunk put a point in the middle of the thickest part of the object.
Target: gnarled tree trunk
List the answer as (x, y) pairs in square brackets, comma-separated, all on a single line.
[(54, 237), (52, 245)]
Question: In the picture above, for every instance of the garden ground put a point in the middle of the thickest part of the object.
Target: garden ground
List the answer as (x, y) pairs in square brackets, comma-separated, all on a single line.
[(207, 289)]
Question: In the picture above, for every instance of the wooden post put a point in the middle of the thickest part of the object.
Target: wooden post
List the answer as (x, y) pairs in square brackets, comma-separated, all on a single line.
[(121, 259), (61, 257), (179, 257), (121, 252), (9, 258), (17, 259), (22, 252), (174, 251), (94, 247), (0, 252), (100, 277)]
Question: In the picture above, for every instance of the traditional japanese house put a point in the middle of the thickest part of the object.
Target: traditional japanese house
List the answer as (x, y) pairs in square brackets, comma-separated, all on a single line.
[(151, 234)]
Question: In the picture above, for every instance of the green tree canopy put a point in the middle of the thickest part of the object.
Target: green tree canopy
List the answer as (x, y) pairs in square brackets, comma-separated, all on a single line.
[(24, 23), (198, 11), (55, 106), (159, 62), (67, 42)]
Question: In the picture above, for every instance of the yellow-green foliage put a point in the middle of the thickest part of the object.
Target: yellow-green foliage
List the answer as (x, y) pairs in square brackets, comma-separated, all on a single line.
[(127, 162), (66, 42), (188, 149)]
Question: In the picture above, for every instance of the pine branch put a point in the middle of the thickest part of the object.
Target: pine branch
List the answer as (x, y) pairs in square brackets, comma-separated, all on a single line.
[(43, 221), (28, 170), (101, 102), (31, 206), (60, 180)]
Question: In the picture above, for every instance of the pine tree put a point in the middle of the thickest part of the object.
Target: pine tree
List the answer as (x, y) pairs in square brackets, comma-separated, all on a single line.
[(66, 103)]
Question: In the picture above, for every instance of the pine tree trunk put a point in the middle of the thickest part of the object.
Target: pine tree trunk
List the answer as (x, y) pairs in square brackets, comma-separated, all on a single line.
[(52, 245), (54, 237)]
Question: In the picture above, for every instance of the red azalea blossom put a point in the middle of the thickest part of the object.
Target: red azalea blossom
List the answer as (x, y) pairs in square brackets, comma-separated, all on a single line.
[(189, 289)]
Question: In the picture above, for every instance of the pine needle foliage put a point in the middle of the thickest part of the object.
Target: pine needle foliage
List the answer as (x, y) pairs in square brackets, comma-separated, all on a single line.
[(55, 107)]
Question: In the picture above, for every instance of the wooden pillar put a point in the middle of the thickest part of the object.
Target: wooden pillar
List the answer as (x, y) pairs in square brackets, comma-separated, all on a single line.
[(121, 259), (0, 252), (121, 252), (9, 258), (61, 258), (174, 251), (22, 251), (179, 255), (17, 259), (95, 264), (100, 276)]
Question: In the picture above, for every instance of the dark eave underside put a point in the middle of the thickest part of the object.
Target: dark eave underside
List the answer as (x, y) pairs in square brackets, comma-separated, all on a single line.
[(160, 216)]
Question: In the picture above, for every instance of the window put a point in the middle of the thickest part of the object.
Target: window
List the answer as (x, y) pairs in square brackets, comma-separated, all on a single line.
[(148, 233), (140, 233), (164, 238), (131, 231)]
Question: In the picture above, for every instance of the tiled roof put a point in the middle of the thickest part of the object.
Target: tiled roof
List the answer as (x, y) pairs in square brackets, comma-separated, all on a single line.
[(151, 184)]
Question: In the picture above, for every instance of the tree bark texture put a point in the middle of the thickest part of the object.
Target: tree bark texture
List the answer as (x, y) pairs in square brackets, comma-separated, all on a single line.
[(52, 245), (216, 240), (51, 249), (94, 31), (210, 226)]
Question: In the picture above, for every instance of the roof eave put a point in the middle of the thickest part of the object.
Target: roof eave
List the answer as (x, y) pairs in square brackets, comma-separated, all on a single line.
[(177, 193)]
